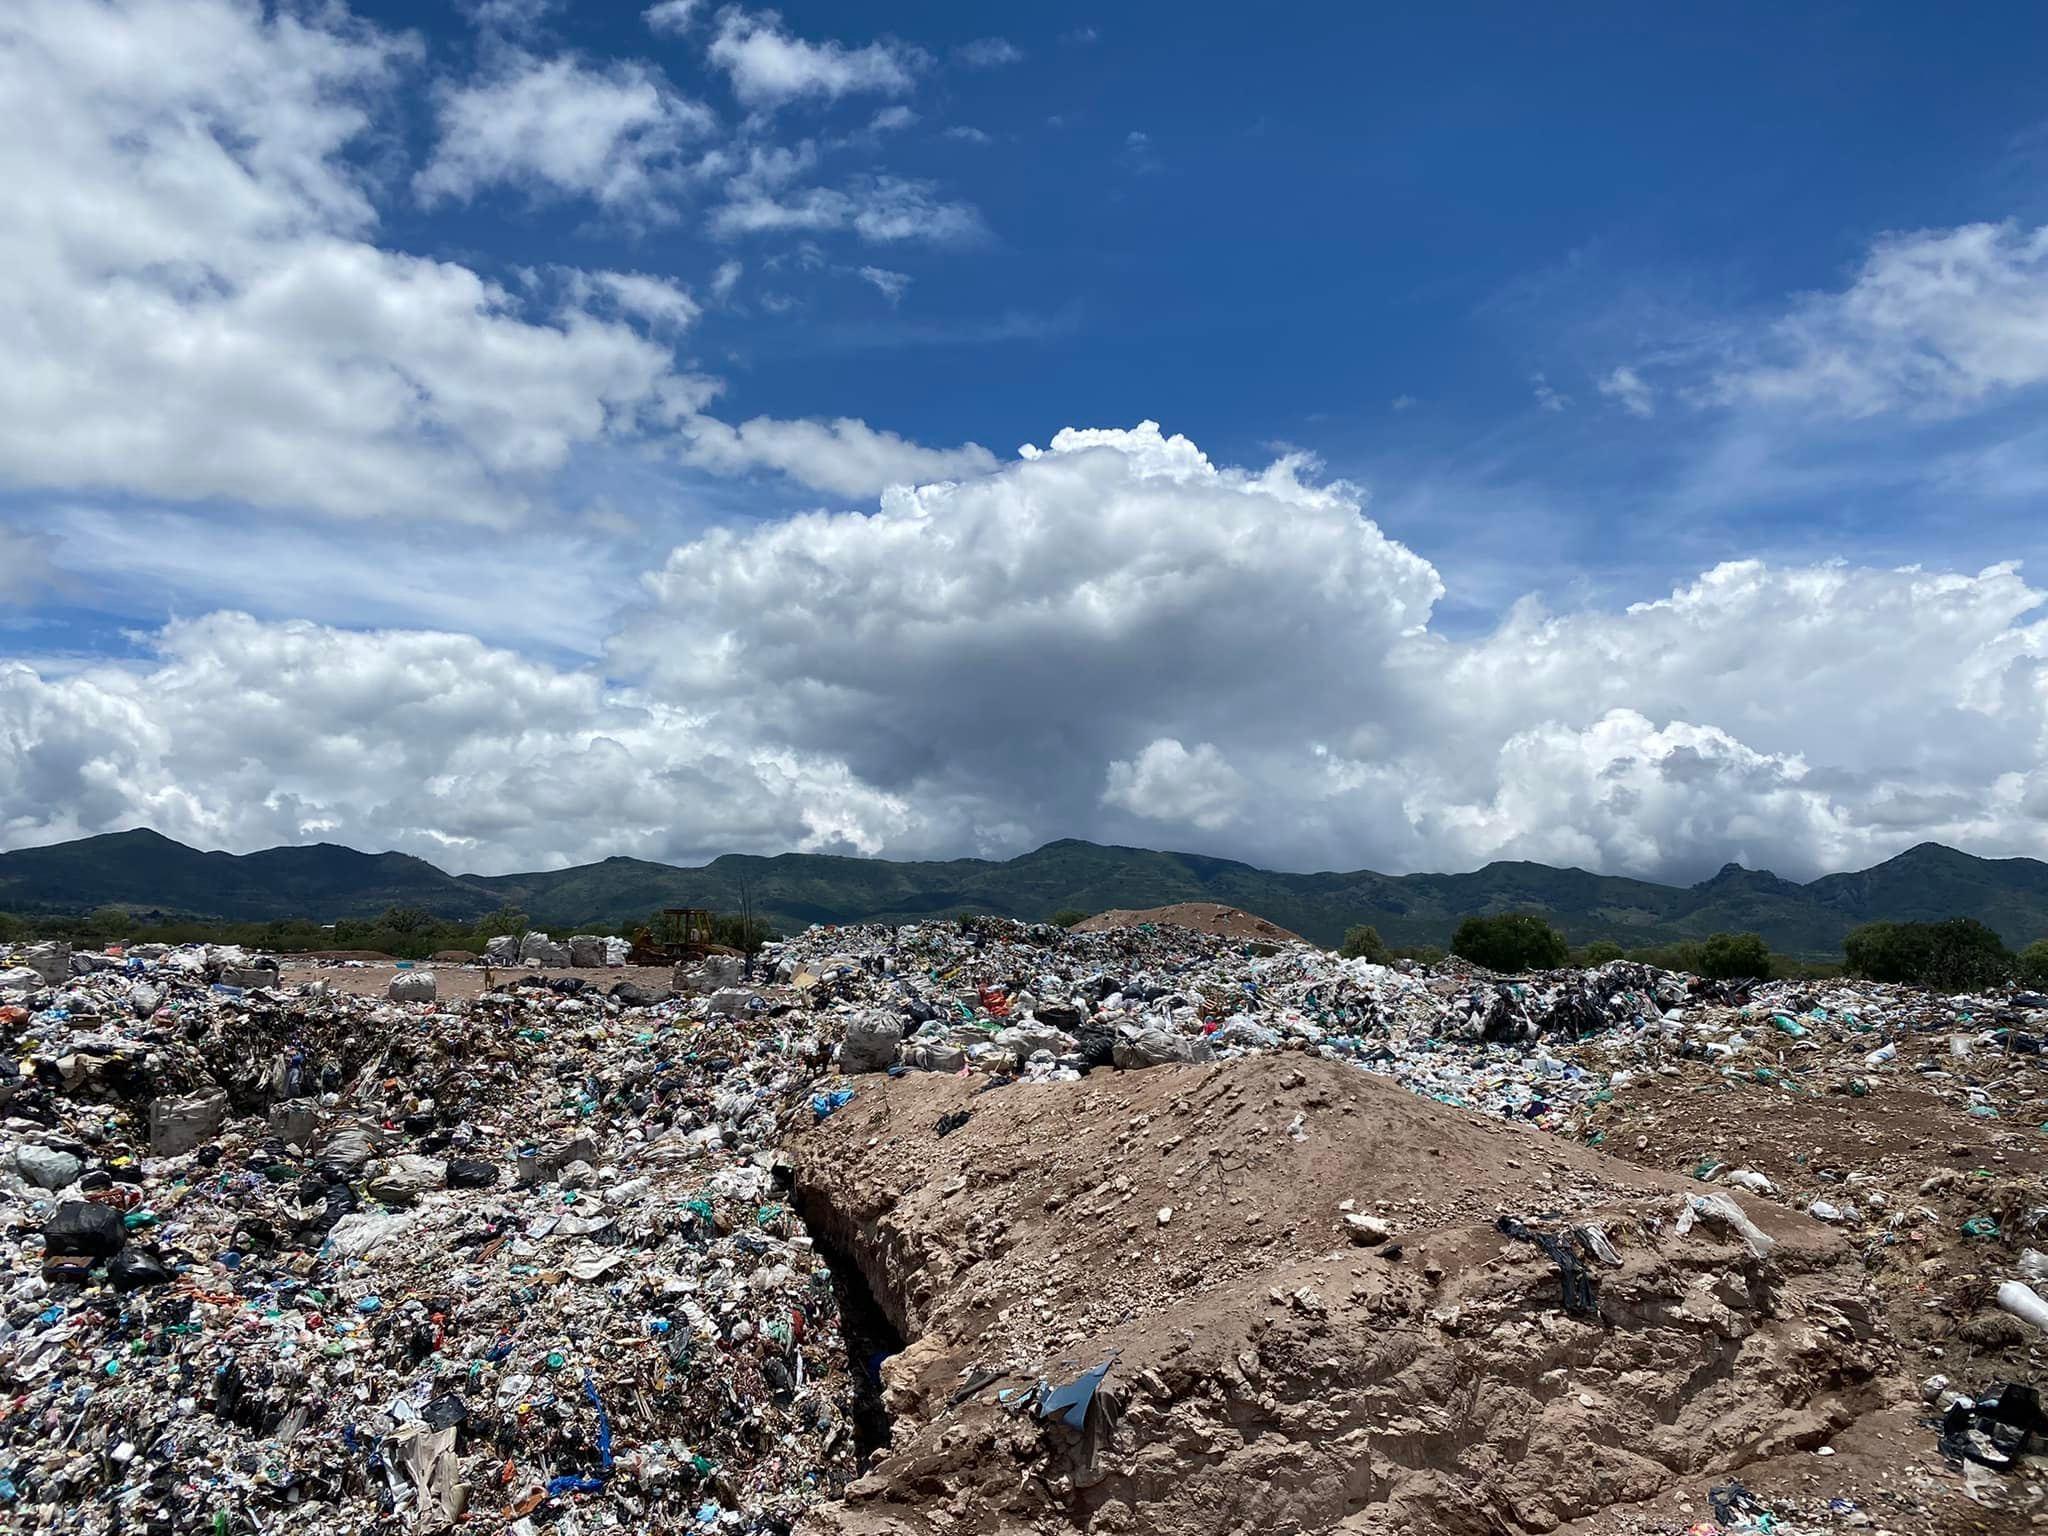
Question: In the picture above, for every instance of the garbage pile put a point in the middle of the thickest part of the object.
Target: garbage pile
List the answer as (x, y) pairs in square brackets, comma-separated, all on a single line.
[(278, 1257), (290, 1259), (534, 948), (1049, 1005)]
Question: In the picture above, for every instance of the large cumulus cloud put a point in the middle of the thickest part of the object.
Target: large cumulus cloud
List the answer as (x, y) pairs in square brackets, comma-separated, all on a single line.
[(1111, 637), (242, 734), (992, 644)]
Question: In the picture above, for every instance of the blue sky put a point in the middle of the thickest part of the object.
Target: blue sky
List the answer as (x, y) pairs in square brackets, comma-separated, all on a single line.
[(1348, 206), (1632, 352)]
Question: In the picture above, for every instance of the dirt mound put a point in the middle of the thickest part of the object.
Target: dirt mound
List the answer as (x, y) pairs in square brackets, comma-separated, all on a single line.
[(1202, 916), (1275, 1369)]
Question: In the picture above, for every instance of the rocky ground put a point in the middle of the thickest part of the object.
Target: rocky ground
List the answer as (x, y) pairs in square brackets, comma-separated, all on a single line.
[(1277, 1368)]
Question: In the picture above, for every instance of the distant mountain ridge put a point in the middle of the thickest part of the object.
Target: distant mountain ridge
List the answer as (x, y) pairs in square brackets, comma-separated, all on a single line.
[(144, 871)]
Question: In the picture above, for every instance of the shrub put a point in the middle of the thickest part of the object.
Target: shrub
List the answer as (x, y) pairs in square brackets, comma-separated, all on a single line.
[(1510, 941), (1957, 954), (1732, 956), (2033, 968), (1066, 917), (1599, 952), (1364, 943)]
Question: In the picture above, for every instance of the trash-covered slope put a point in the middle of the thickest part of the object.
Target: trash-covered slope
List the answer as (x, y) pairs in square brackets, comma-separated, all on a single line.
[(1313, 1314), (506, 1257)]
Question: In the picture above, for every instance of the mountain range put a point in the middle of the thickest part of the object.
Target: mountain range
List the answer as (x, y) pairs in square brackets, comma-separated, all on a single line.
[(146, 872)]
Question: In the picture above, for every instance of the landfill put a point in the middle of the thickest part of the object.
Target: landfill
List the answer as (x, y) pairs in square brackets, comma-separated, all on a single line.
[(279, 1255)]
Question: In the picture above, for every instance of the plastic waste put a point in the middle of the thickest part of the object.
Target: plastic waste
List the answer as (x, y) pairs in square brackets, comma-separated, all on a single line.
[(2021, 1300), (1720, 1208)]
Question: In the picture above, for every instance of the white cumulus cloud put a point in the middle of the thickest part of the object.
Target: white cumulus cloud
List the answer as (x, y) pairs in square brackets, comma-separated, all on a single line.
[(614, 134), (1936, 320), (883, 210), (670, 16), (1111, 636), (195, 308), (891, 285), (660, 302), (1627, 389), (988, 53), (434, 743), (1167, 782), (770, 67), (847, 456)]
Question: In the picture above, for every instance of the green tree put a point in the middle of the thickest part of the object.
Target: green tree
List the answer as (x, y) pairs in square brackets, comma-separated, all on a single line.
[(1362, 942), (2033, 965), (1888, 951), (1067, 917), (1510, 942), (111, 922), (1732, 956), (410, 920), (1967, 955), (735, 932), (1956, 954), (507, 922), (1599, 952)]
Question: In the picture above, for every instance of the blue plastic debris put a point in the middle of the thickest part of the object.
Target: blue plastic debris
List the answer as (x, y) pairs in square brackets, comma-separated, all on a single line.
[(557, 1486), (604, 1422), (825, 1104), (1071, 1401)]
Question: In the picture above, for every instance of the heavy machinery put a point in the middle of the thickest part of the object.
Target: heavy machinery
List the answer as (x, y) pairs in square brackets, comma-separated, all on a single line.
[(678, 934)]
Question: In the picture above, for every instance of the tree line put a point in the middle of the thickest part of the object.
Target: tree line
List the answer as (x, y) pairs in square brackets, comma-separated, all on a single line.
[(1957, 954)]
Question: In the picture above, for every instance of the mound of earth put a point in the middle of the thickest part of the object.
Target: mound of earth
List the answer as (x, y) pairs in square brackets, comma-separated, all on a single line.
[(1314, 1318), (1202, 916)]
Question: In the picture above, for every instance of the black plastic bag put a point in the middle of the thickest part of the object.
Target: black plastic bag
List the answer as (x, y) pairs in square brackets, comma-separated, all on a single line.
[(80, 1227), (134, 1268), (463, 1174)]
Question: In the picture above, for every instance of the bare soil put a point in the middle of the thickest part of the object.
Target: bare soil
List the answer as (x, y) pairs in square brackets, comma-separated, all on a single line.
[(1201, 916), (1270, 1374)]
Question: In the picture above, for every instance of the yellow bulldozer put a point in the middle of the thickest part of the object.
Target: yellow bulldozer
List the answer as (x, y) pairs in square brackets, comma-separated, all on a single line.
[(676, 935)]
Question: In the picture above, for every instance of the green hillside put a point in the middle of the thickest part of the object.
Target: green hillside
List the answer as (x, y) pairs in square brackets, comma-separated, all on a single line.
[(146, 872)]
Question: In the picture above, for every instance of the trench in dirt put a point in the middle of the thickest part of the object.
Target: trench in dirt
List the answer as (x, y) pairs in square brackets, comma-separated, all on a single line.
[(864, 1324)]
